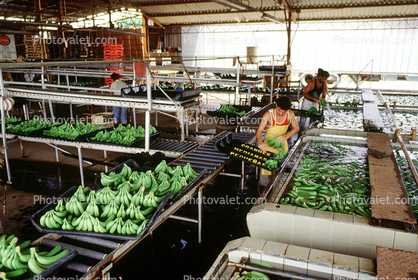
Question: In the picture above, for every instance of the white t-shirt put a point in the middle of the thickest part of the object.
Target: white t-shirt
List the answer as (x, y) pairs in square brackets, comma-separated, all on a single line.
[(117, 85)]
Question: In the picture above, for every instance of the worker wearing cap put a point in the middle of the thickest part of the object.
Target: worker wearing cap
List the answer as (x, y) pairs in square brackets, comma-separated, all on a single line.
[(313, 92)]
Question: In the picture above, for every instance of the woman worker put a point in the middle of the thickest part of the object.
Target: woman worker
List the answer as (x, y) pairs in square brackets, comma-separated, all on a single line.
[(277, 122), (313, 92)]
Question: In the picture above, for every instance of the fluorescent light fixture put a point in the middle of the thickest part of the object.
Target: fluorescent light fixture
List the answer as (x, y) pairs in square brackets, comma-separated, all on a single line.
[(233, 4), (272, 18)]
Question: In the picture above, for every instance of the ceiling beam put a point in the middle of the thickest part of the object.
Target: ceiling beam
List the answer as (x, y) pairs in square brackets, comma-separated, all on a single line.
[(152, 3)]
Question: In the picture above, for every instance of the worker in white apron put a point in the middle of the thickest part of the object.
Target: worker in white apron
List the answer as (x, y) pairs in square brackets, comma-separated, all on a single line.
[(277, 122), (313, 92)]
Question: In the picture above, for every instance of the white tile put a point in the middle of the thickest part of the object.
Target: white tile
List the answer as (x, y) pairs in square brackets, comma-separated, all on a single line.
[(321, 256), (295, 266), (342, 231), (286, 209), (283, 236), (323, 215), (235, 256), (255, 256), (340, 246), (270, 207), (361, 220), (346, 261), (303, 240), (302, 224), (274, 261), (284, 221), (231, 245), (362, 234), (383, 237), (319, 271), (322, 227), (275, 247), (254, 243), (360, 250), (343, 218), (298, 252), (405, 241), (265, 219), (304, 212), (257, 208), (266, 233), (321, 243), (253, 229)]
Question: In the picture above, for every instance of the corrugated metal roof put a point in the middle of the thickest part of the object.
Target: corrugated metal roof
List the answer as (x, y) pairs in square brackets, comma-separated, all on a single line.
[(195, 12)]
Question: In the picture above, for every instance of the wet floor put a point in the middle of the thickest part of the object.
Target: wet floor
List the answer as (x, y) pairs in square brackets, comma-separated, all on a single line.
[(173, 251)]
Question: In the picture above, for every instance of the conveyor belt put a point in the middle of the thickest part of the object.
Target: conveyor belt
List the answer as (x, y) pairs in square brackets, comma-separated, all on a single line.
[(173, 145), (368, 96), (372, 117), (207, 157)]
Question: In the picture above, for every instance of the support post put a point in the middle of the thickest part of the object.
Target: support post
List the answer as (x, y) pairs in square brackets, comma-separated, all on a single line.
[(238, 84), (199, 214), (80, 162), (149, 109)]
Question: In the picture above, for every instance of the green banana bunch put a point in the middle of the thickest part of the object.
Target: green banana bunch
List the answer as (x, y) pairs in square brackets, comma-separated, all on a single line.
[(84, 222), (175, 188), (52, 219), (126, 172), (98, 226), (138, 198), (121, 212), (150, 200), (137, 182), (142, 227), (134, 212), (125, 185), (175, 177), (188, 170), (60, 206), (91, 196), (113, 179), (129, 228), (134, 177), (162, 167), (80, 193), (163, 176), (154, 186), (230, 109), (124, 197), (183, 182), (66, 225), (270, 164), (110, 209), (273, 143), (164, 187), (12, 274), (38, 263), (253, 275), (93, 208), (115, 226), (177, 170), (73, 206), (105, 195)]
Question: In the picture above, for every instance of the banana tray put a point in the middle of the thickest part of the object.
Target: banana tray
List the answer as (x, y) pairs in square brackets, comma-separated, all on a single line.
[(136, 143), (35, 219)]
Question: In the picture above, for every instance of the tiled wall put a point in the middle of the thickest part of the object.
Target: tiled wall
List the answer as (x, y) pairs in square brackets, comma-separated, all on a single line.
[(292, 259), (339, 233)]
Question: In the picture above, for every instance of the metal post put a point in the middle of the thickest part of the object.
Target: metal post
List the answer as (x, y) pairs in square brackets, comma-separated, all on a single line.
[(42, 77), (156, 118), (71, 113), (105, 159), (180, 115), (75, 70), (43, 109), (134, 113), (186, 122), (51, 110), (249, 96), (149, 109), (238, 84), (57, 156), (68, 82), (199, 214), (3, 131), (80, 162)]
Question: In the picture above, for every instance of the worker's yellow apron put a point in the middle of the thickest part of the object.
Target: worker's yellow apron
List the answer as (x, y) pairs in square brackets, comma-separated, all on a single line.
[(273, 131)]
